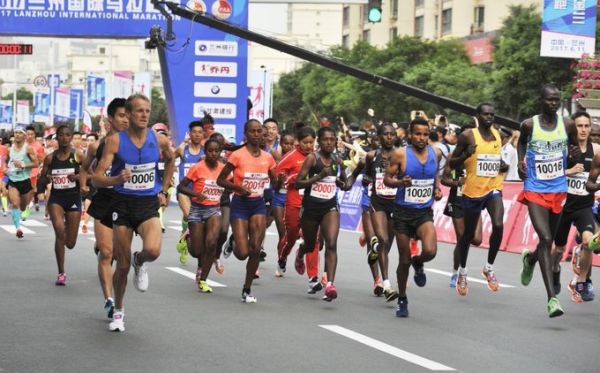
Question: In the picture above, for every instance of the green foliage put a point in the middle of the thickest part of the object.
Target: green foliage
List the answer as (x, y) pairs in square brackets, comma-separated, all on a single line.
[(512, 82), (158, 109)]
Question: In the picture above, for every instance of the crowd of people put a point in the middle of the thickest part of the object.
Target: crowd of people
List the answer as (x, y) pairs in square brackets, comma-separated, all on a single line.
[(125, 179)]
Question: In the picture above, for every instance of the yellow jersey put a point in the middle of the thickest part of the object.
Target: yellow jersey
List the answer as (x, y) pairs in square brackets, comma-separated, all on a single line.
[(483, 167)]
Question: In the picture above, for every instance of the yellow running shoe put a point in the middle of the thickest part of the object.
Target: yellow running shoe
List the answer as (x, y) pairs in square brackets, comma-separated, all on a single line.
[(203, 287)]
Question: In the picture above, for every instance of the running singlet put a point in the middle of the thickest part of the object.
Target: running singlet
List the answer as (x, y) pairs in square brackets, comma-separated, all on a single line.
[(420, 194), (546, 158), (483, 166), (204, 180), (379, 188), (18, 173), (188, 160), (59, 172), (142, 162), (99, 152), (290, 165), (578, 198), (324, 190), (3, 157), (252, 172)]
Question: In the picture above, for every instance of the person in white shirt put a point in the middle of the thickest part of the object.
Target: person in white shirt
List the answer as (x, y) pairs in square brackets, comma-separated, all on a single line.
[(509, 155)]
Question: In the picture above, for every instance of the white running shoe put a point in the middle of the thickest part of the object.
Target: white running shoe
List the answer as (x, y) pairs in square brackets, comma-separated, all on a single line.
[(117, 324), (248, 298), (140, 279)]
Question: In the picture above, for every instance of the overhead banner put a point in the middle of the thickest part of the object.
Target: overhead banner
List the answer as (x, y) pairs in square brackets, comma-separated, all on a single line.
[(23, 112), (96, 91), (568, 28), (194, 44), (260, 93), (41, 105), (6, 113)]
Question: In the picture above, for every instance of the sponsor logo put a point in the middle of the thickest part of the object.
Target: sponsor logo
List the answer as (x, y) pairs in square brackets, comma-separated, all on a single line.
[(197, 5), (216, 110), (211, 89), (216, 48), (222, 9), (115, 216), (215, 69)]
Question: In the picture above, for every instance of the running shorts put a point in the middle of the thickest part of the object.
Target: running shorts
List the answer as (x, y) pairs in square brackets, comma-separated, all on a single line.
[(133, 211), (382, 204), (201, 213), (244, 208), (408, 219), (68, 202), (582, 219), (279, 199), (23, 186), (550, 201), (479, 204), (316, 212), (454, 210), (101, 208)]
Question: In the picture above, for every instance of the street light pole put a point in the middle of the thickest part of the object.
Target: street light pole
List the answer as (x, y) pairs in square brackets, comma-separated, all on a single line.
[(264, 91)]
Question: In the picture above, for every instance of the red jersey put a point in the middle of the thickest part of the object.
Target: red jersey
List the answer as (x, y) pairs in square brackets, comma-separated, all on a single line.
[(290, 165), (38, 149), (204, 180), (250, 171), (3, 158)]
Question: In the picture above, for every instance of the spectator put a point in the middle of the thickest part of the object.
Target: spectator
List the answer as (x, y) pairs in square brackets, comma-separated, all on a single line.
[(509, 155)]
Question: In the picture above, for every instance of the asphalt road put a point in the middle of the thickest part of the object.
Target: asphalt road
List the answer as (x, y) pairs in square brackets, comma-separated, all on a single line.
[(173, 327)]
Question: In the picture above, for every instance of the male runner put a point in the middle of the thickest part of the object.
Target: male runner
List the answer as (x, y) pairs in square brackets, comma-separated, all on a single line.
[(134, 156)]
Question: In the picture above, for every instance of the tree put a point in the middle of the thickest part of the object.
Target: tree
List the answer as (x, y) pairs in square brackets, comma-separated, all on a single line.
[(158, 109), (518, 70), (22, 94)]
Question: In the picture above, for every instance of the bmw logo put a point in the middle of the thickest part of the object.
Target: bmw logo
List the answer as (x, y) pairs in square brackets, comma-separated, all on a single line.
[(202, 47), (215, 89)]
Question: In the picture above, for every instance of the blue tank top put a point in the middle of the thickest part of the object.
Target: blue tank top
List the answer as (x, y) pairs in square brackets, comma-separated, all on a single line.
[(188, 160), (143, 163), (546, 158), (420, 194)]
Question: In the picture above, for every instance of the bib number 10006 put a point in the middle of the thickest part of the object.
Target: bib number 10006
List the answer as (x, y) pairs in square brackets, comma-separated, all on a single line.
[(142, 176)]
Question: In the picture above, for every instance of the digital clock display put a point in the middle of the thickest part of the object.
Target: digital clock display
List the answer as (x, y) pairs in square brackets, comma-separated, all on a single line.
[(16, 49)]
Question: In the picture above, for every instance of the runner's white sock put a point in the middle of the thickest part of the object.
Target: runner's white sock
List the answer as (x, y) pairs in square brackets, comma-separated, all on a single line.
[(489, 267), (387, 284), (462, 271)]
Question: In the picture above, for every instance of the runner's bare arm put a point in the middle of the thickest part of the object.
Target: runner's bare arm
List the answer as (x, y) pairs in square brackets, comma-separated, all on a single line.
[(169, 158), (592, 184), (224, 182), (89, 158), (301, 179), (35, 162), (397, 160), (437, 190), (446, 178), (185, 189), (43, 181), (525, 133), (99, 178), (464, 149)]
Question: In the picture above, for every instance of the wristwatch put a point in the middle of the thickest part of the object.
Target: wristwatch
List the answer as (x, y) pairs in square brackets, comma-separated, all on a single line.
[(166, 194)]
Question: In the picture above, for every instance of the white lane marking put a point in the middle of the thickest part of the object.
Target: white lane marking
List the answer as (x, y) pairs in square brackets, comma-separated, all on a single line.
[(192, 276), (175, 227), (388, 349), (92, 239), (33, 223), (12, 230), (449, 274)]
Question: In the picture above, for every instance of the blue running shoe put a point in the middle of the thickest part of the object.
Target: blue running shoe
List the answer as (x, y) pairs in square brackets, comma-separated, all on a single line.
[(109, 307), (588, 294), (402, 309), (420, 278), (453, 280)]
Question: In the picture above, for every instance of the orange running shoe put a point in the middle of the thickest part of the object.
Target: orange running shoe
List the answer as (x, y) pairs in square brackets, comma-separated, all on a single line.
[(575, 294), (461, 284), (490, 277)]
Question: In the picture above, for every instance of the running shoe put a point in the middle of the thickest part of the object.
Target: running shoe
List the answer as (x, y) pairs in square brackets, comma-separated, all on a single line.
[(247, 297), (61, 279), (377, 286), (26, 214), (402, 309), (453, 280), (556, 282), (390, 294), (575, 290), (299, 262), (118, 322), (330, 293), (182, 249), (228, 247), (19, 233), (109, 307), (527, 268), (588, 295), (219, 266), (575, 261), (84, 229), (419, 277), (140, 278), (281, 264), (198, 274), (203, 287), (4, 213), (554, 308), (461, 284), (262, 255), (490, 277), (373, 253), (314, 285)]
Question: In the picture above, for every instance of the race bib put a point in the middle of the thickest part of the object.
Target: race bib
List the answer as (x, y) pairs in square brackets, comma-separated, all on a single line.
[(256, 182), (381, 189), (421, 191), (12, 167), (549, 166), (60, 178), (324, 188), (142, 176), (576, 184), (212, 191), (488, 165)]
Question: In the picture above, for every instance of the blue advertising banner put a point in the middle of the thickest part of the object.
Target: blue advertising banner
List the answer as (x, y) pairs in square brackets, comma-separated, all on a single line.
[(76, 103), (350, 206), (96, 91), (6, 114), (224, 57), (41, 106), (568, 28)]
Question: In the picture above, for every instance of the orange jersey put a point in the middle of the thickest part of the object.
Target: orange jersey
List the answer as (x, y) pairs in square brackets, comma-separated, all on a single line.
[(204, 180), (3, 158), (38, 149), (252, 172)]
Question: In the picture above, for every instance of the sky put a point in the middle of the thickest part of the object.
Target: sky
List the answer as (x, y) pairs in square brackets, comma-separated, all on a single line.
[(268, 18)]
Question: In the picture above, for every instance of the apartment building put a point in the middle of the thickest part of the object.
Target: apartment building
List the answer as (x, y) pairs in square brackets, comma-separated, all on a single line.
[(429, 19)]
